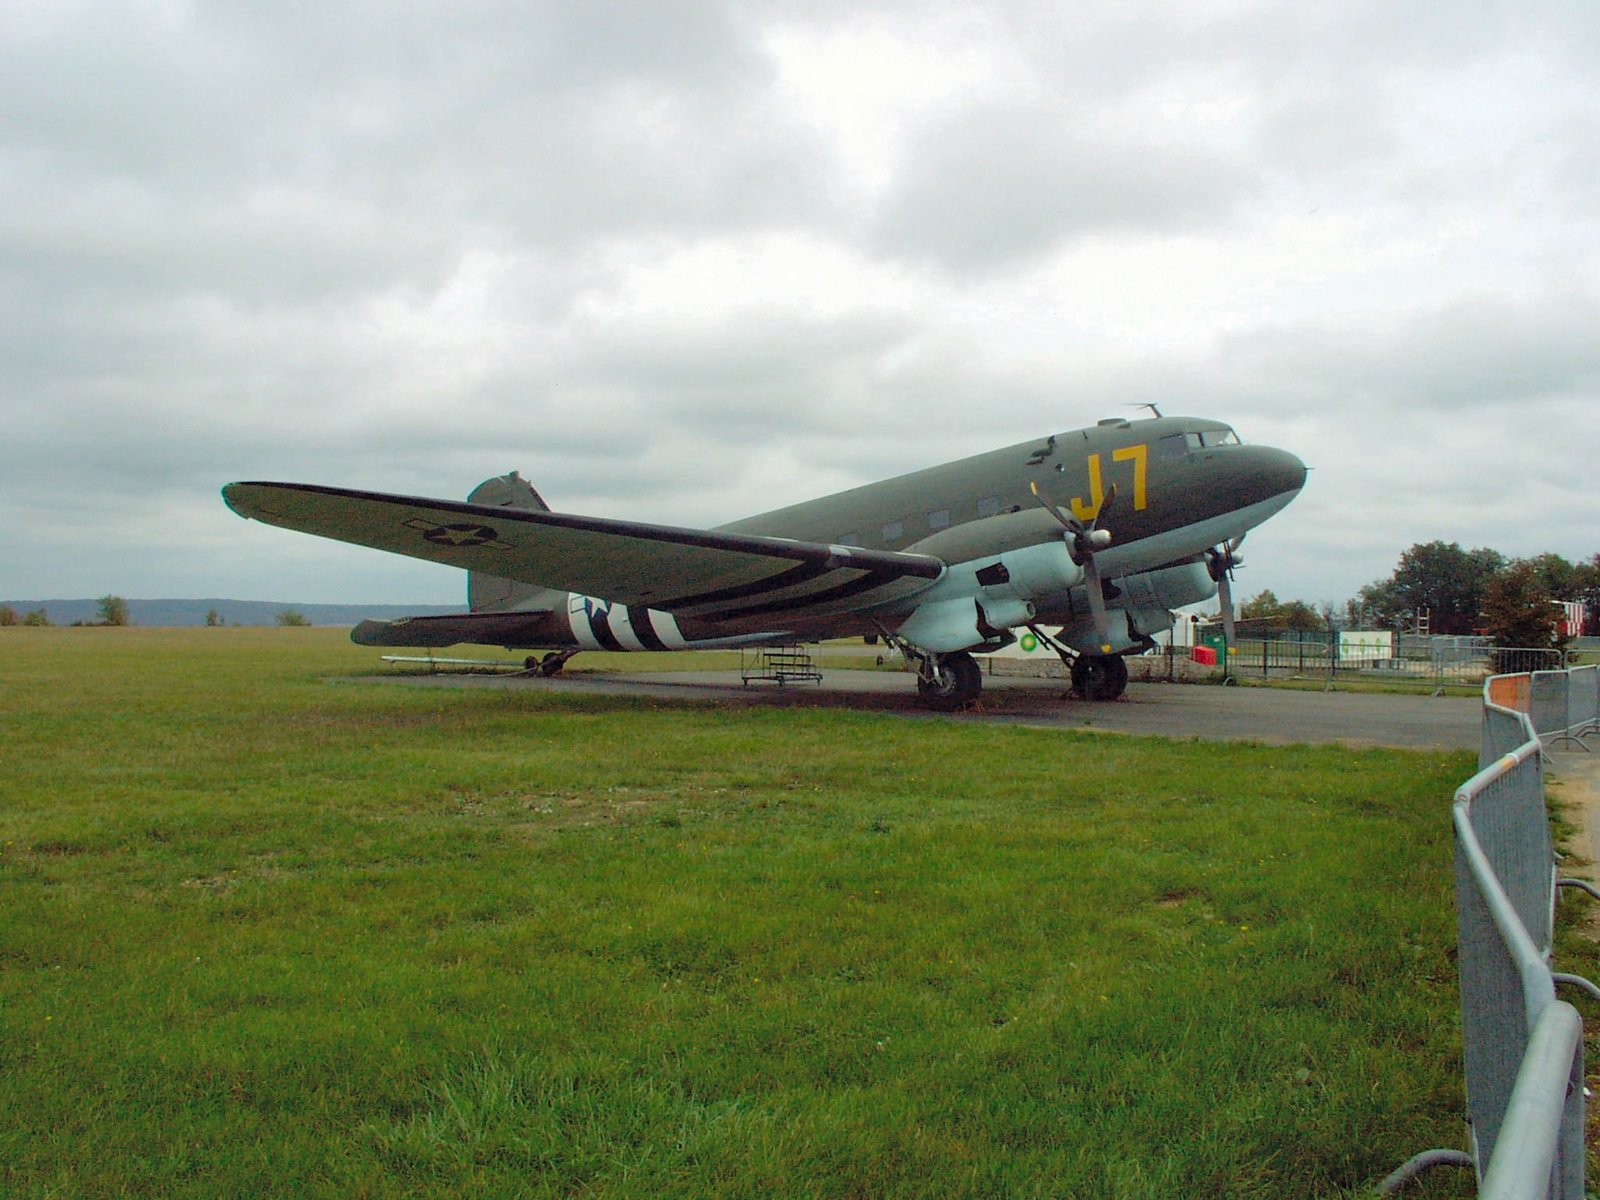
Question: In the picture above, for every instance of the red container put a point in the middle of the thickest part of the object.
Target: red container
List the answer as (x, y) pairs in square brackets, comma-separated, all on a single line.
[(1204, 655)]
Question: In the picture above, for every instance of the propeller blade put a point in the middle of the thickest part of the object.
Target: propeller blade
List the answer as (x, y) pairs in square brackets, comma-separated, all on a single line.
[(1225, 598), (1061, 517), (1097, 603), (1082, 541), (1105, 506)]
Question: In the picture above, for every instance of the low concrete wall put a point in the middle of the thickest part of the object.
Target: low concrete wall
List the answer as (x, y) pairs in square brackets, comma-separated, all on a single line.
[(1142, 668)]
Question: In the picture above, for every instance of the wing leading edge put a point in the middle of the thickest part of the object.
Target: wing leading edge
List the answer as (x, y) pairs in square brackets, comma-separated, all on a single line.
[(708, 574)]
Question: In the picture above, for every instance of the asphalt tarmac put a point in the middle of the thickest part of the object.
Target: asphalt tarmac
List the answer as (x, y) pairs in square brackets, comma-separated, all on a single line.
[(1271, 715)]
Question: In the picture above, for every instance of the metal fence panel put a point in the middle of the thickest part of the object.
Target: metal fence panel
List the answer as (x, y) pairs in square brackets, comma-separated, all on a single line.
[(1535, 1156), (1583, 699), (1547, 701), (1493, 1028), (1503, 731), (1507, 812), (1509, 660), (1505, 883), (1522, 1048)]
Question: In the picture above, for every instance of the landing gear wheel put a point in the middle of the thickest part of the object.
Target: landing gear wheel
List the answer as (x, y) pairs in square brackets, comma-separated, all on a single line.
[(551, 663), (1099, 676), (958, 684)]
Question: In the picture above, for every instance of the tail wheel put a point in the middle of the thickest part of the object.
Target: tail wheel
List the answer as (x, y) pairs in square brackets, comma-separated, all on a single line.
[(958, 682), (1099, 676)]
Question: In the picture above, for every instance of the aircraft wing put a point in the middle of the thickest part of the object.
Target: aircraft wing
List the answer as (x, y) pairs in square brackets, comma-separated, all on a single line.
[(711, 574)]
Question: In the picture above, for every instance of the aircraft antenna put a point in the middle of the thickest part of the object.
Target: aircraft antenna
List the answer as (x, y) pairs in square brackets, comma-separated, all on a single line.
[(1147, 404)]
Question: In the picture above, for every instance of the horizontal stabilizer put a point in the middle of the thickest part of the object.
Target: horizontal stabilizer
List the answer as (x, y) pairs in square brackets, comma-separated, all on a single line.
[(483, 629)]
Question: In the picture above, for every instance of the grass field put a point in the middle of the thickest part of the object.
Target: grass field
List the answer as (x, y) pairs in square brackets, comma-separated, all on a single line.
[(266, 930)]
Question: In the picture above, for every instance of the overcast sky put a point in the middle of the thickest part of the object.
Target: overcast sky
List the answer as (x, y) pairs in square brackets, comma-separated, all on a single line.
[(684, 261)]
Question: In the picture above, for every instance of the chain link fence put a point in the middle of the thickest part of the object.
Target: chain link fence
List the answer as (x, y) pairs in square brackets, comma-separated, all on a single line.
[(1426, 663)]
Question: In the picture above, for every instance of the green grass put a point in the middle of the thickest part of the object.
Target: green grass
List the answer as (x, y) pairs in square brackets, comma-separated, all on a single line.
[(266, 934)]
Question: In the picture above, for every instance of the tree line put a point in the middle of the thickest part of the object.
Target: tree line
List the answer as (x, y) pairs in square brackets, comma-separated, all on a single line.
[(1440, 588), (114, 611)]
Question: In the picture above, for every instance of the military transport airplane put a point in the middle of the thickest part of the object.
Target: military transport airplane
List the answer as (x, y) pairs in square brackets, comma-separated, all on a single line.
[(1102, 531)]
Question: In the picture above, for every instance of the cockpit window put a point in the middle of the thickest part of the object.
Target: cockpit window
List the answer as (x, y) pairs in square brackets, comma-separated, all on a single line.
[(1176, 445)]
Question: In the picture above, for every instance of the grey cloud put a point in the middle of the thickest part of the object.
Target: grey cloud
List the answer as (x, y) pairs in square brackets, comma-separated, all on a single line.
[(267, 153), (1471, 354), (350, 243), (986, 188)]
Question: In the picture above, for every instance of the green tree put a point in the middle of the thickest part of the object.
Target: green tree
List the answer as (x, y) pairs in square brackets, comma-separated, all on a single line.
[(1297, 614), (1263, 606), (1586, 587), (1556, 575), (113, 610), (8, 615), (1518, 610), (290, 616), (1447, 583), (213, 618), (1280, 614), (38, 617), (1378, 606)]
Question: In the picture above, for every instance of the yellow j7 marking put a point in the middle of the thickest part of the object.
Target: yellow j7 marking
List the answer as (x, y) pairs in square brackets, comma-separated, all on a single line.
[(1139, 456)]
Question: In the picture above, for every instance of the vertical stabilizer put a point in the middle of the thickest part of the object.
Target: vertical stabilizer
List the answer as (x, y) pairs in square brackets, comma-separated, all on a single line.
[(508, 491), (490, 593)]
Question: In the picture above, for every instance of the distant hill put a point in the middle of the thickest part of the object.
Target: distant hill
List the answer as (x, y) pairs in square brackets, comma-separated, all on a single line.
[(232, 612)]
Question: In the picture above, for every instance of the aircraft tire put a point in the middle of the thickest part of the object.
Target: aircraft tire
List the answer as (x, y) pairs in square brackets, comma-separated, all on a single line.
[(1099, 677), (960, 682)]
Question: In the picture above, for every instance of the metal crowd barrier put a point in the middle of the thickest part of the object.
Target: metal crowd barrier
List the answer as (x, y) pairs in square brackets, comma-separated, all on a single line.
[(1522, 1047), (1563, 705)]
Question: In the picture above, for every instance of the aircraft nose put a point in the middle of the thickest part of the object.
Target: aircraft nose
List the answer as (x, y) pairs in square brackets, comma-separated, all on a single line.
[(1280, 471), (1262, 473)]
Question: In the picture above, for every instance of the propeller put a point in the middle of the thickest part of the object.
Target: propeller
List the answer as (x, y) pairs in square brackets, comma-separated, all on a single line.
[(1220, 562), (1082, 542)]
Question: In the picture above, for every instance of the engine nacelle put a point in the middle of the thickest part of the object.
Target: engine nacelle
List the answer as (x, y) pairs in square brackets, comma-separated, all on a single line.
[(1038, 573), (977, 600), (1170, 587), (944, 626), (1140, 608)]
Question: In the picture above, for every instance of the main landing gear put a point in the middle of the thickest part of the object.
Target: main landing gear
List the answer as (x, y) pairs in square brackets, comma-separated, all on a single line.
[(551, 664), (1099, 676), (946, 682)]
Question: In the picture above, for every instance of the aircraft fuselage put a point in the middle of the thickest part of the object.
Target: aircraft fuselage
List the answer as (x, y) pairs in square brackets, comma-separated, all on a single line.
[(1166, 489)]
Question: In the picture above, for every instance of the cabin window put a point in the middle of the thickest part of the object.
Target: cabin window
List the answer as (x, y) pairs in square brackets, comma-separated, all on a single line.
[(850, 539), (1174, 445), (1193, 441), (1219, 437), (939, 518), (893, 530), (988, 506)]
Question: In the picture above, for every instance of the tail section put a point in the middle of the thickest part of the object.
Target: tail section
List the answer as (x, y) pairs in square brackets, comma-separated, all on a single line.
[(490, 593)]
